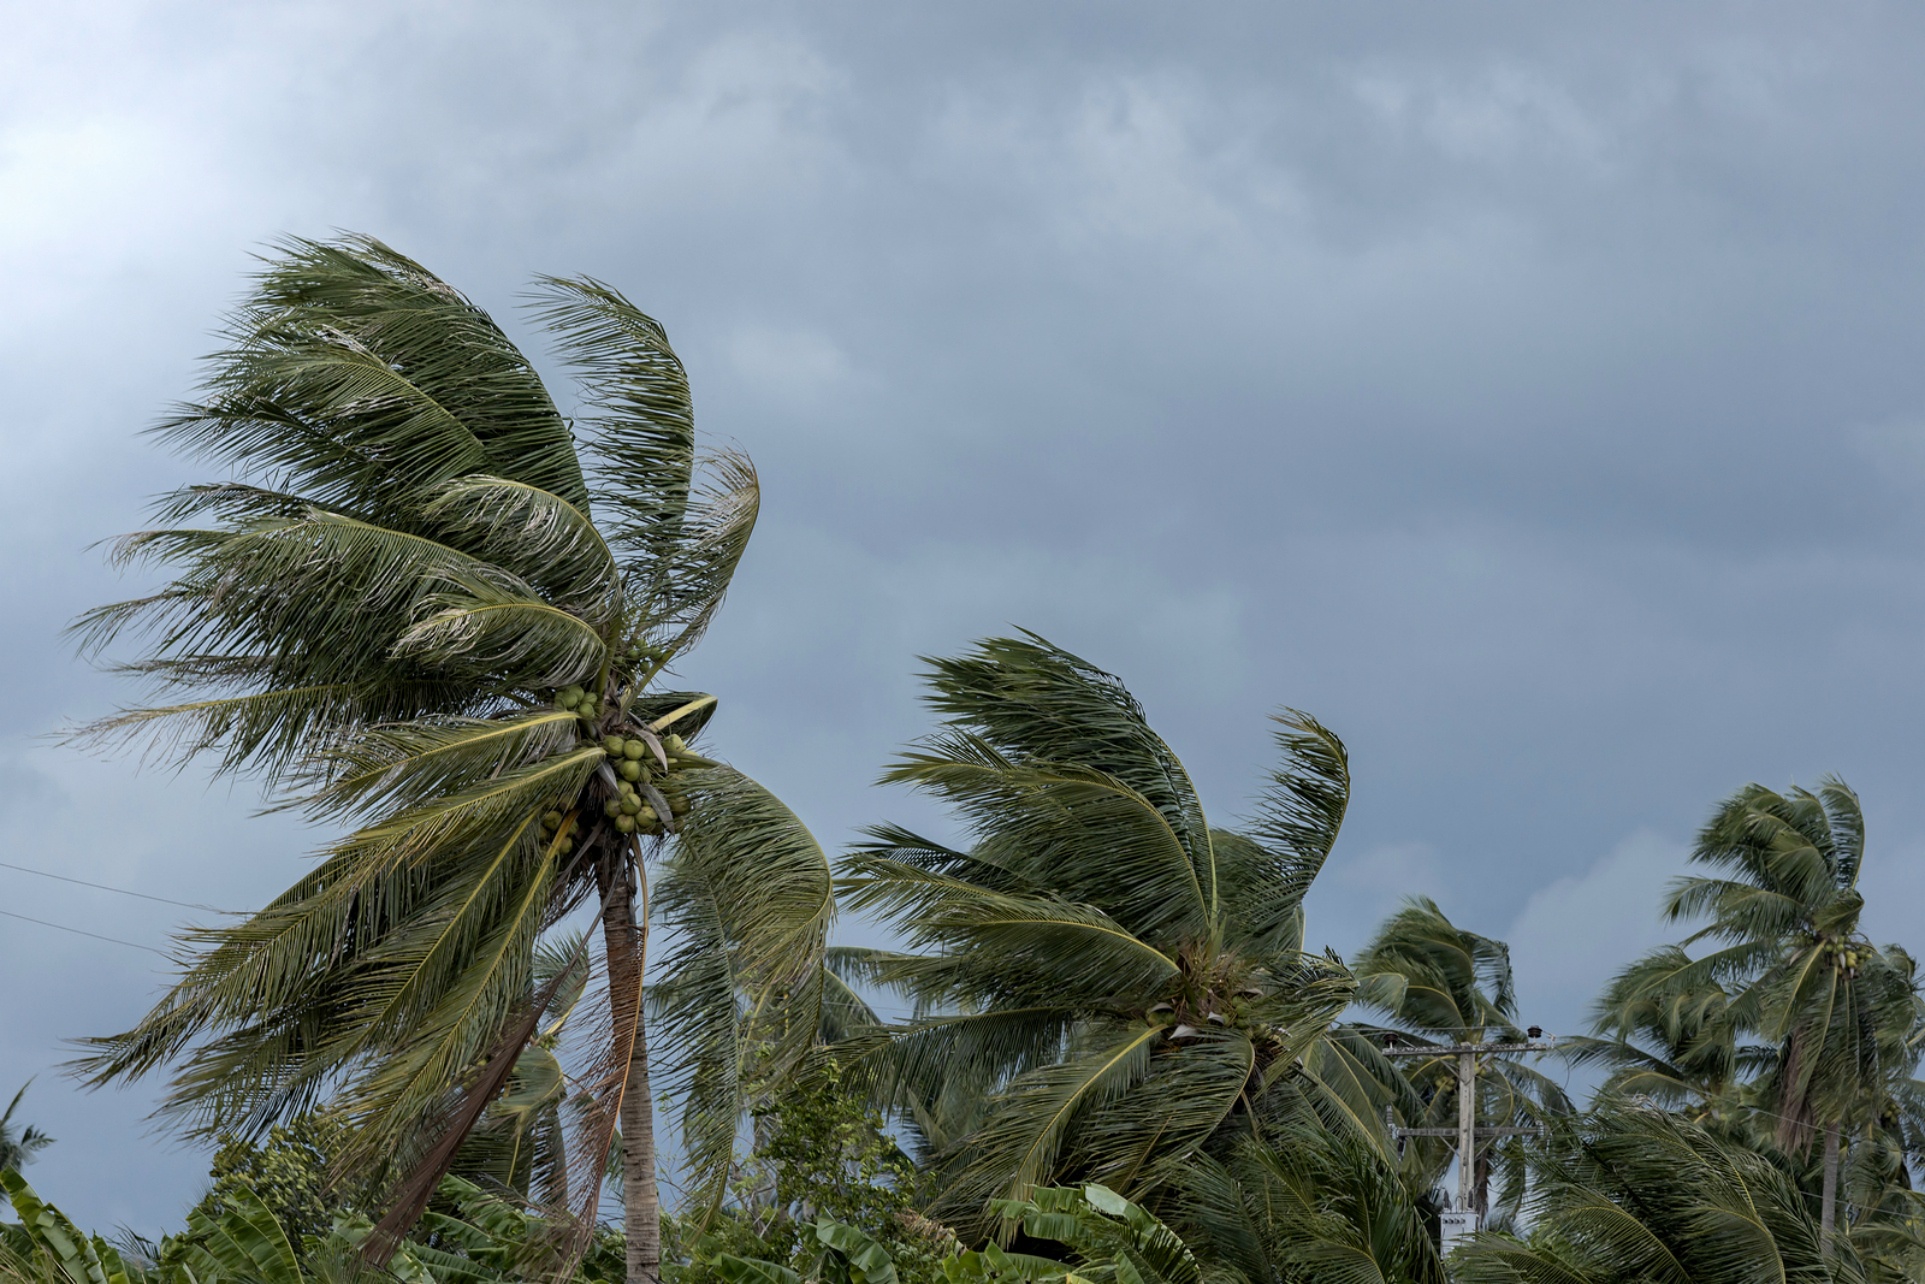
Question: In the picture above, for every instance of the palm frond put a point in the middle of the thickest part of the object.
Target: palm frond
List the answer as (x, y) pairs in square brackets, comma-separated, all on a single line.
[(641, 431), (746, 899), (542, 538), (1304, 802), (363, 379)]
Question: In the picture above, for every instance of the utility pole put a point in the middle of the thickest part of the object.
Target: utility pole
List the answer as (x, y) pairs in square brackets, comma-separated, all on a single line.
[(1463, 1221)]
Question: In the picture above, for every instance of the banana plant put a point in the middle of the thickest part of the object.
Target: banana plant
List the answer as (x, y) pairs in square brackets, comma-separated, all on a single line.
[(44, 1247)]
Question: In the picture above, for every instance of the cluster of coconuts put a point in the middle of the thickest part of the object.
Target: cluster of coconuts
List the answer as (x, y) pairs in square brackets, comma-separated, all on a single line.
[(1845, 956), (554, 822), (640, 654), (578, 702), (641, 779), (637, 772)]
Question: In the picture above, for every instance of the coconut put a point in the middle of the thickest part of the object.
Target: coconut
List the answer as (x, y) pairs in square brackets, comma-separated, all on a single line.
[(631, 804), (612, 746), (634, 749), (647, 815), (674, 744), (630, 769), (625, 824)]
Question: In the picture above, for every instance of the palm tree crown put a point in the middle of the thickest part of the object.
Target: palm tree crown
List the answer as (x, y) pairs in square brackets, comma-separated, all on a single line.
[(1107, 977), (1438, 983)]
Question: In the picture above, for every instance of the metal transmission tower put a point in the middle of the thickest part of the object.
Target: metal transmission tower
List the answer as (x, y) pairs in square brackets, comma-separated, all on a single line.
[(1464, 1220)]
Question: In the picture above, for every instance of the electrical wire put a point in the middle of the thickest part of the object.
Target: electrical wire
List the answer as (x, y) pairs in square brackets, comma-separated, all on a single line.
[(111, 940), (120, 891)]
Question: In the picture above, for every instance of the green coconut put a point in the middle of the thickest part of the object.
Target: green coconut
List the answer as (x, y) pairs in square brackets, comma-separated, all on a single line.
[(625, 824), (613, 746), (630, 769)]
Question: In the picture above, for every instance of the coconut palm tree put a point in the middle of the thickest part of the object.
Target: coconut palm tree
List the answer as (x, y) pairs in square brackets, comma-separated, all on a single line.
[(1109, 978), (17, 1147), (1839, 1014), (429, 608), (1436, 983)]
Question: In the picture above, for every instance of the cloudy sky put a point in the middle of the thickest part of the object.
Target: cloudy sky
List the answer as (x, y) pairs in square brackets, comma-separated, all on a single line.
[(1531, 392)]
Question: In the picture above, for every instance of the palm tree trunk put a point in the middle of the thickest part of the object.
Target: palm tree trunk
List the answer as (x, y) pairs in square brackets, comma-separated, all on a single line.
[(625, 940), (1828, 1209)]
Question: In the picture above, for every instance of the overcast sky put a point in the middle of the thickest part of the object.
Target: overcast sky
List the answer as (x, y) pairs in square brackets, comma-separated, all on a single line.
[(1532, 392)]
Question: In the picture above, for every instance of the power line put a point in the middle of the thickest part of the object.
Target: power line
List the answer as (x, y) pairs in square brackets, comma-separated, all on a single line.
[(120, 891), (111, 940)]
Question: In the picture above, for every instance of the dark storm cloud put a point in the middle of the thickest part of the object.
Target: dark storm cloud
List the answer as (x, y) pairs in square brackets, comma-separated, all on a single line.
[(1530, 392)]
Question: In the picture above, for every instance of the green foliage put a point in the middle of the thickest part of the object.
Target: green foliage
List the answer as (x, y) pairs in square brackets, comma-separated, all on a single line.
[(291, 1173), (44, 1247), (822, 1158), (470, 1236), (1108, 1239), (1104, 1239)]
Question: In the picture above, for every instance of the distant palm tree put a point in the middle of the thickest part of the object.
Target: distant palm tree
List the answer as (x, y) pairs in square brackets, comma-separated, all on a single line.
[(1102, 980), (1445, 984), (430, 606), (1825, 1021), (16, 1148), (1669, 1033)]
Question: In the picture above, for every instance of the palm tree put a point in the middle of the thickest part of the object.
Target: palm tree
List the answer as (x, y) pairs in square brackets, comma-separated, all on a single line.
[(16, 1148), (1438, 983), (430, 608), (1638, 1194), (1109, 978), (1839, 1014), (1669, 1034)]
